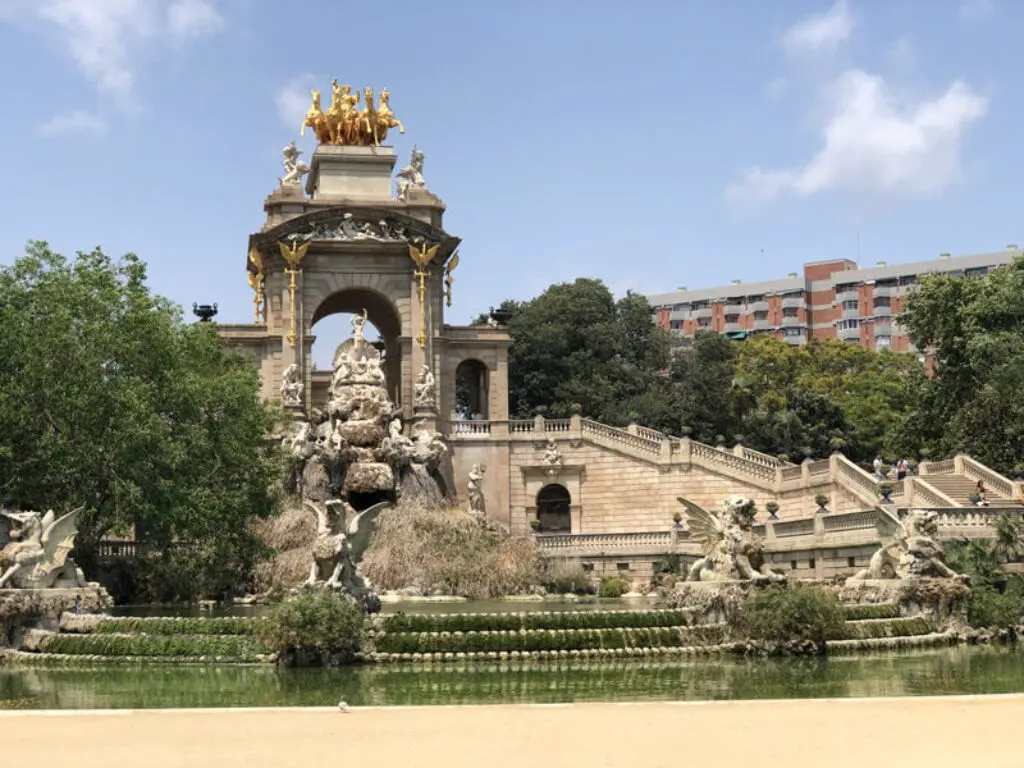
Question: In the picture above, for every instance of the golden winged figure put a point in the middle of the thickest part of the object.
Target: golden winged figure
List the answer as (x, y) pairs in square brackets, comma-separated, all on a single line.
[(453, 262), (295, 254), (256, 259), (422, 257)]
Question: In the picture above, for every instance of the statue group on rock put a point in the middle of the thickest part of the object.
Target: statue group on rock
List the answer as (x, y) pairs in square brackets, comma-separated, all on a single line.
[(732, 550), (36, 556)]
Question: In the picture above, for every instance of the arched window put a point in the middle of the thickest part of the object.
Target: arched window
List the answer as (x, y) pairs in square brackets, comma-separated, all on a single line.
[(472, 390), (553, 503)]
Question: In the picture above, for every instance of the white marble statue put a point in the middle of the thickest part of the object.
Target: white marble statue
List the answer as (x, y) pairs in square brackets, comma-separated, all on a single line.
[(553, 458), (424, 390), (475, 489), (291, 385), (358, 322), (410, 177), (732, 551), (294, 169), (36, 557), (910, 549)]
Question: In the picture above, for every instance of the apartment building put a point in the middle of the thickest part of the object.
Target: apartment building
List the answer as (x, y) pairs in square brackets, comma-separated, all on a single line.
[(830, 300)]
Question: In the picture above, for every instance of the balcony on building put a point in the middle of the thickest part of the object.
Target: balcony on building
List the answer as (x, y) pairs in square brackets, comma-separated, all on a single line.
[(848, 331), (793, 300), (761, 305), (700, 312), (733, 306), (883, 342), (792, 321), (846, 293), (851, 309), (762, 324), (883, 309), (732, 327), (795, 336), (884, 291)]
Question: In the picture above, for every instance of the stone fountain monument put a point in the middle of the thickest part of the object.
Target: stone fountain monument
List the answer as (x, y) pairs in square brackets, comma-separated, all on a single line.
[(38, 580)]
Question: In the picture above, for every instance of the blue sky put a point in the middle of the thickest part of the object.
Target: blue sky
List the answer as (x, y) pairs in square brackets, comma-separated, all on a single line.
[(651, 144)]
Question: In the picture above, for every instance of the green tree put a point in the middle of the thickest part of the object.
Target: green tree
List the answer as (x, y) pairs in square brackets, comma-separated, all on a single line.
[(575, 345), (109, 400), (976, 327)]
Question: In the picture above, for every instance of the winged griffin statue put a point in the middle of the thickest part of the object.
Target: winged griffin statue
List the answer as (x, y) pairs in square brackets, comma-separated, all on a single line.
[(732, 551), (37, 554), (909, 548), (339, 547)]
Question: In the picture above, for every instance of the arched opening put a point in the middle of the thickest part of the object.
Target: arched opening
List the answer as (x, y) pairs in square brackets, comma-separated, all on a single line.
[(553, 503), (472, 391), (331, 324)]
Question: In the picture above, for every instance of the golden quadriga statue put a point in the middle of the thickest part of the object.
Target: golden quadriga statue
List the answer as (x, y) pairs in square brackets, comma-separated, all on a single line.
[(345, 124)]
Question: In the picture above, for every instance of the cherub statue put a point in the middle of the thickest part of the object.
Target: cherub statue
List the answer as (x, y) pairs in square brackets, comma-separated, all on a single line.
[(291, 385), (909, 549), (37, 554), (294, 169), (410, 177), (731, 550), (424, 389)]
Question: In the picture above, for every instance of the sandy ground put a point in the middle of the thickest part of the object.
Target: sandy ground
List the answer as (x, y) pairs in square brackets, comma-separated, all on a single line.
[(867, 733)]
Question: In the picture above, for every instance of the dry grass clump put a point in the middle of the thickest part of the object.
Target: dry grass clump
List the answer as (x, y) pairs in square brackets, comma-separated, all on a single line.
[(291, 535), (446, 551)]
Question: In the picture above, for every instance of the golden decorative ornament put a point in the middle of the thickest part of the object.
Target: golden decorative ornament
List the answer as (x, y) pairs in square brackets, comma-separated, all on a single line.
[(344, 124), (422, 258), (293, 256), (453, 262)]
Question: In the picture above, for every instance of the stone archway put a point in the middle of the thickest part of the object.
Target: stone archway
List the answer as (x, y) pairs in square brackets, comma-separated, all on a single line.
[(553, 509), (472, 390), (384, 316)]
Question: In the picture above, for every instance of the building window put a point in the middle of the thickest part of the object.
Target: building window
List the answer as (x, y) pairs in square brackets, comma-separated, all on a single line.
[(793, 295), (976, 272), (882, 301), (732, 318), (752, 299), (791, 312), (681, 307), (883, 342), (908, 280), (699, 305), (704, 322), (851, 304), (848, 325), (761, 315), (676, 325), (846, 287), (793, 331), (588, 567), (622, 566)]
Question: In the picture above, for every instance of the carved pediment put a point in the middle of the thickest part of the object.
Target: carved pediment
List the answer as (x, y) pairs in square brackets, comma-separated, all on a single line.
[(362, 226)]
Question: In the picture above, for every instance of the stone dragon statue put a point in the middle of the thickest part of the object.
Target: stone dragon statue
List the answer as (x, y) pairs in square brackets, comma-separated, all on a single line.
[(909, 549), (37, 554), (732, 551), (339, 547)]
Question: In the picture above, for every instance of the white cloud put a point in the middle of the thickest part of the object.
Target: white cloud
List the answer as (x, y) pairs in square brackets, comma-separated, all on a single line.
[(293, 99), (191, 18), (820, 33), (74, 122), (977, 9), (106, 37), (872, 142)]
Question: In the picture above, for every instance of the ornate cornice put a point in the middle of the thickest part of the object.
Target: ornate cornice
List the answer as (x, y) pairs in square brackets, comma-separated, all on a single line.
[(356, 226)]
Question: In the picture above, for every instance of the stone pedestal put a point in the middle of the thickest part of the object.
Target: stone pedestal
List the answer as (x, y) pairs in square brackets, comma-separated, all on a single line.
[(40, 609), (424, 418), (359, 174)]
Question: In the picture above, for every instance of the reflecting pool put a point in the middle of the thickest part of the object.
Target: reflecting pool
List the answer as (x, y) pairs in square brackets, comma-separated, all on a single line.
[(964, 670)]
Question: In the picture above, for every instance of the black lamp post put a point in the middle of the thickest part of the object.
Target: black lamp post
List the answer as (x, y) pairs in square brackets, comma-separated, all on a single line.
[(204, 312)]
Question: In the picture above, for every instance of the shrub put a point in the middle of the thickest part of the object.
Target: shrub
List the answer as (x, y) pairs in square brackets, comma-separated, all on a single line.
[(792, 614), (614, 586), (562, 575), (449, 552), (821, 500), (316, 628), (236, 648), (988, 607), (179, 625)]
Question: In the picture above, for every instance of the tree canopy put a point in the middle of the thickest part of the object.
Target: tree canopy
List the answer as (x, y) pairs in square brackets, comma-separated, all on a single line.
[(976, 327), (108, 400), (575, 346)]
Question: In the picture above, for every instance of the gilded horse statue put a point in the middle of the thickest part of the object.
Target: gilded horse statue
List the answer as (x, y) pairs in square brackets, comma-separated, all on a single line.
[(316, 120), (342, 114), (386, 118), (368, 120)]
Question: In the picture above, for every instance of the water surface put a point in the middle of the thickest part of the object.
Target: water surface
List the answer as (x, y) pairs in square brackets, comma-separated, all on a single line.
[(964, 670)]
